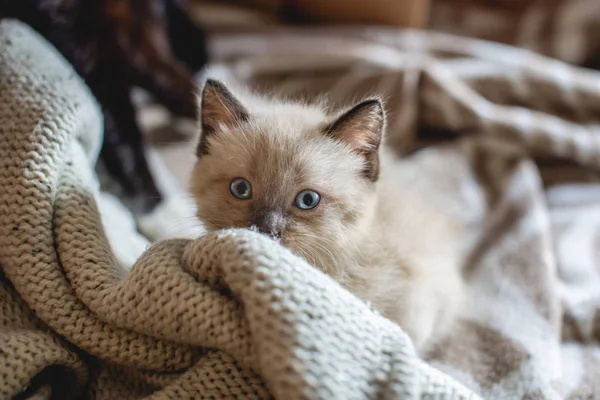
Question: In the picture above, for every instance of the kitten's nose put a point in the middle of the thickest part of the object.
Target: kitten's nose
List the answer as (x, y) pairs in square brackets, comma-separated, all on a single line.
[(271, 223)]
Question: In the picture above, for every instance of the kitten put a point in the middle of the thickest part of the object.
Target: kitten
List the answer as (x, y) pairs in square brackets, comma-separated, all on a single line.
[(321, 184)]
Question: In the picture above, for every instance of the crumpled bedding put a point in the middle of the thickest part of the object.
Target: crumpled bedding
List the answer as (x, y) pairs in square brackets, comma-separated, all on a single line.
[(564, 29), (501, 138)]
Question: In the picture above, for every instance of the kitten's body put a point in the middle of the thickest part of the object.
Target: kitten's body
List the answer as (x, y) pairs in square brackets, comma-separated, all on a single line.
[(406, 259), (372, 229)]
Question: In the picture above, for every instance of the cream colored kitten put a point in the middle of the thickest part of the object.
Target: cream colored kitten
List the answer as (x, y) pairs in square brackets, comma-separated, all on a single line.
[(320, 184)]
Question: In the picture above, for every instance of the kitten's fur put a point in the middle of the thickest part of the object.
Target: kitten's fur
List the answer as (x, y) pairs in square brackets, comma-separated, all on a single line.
[(371, 231)]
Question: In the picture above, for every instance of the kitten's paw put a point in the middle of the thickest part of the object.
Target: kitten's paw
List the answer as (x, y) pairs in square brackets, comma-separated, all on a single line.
[(173, 218)]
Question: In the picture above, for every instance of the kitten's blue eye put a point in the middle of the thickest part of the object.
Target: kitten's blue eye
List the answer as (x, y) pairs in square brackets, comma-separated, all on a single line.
[(240, 189), (307, 199)]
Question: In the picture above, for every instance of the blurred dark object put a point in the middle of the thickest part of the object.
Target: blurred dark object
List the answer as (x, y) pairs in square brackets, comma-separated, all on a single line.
[(594, 61), (116, 45), (399, 13)]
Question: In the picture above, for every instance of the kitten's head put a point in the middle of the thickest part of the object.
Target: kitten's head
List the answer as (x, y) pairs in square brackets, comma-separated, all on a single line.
[(289, 170)]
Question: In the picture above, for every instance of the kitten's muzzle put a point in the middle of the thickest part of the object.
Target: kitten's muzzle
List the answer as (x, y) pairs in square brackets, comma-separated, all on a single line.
[(270, 223)]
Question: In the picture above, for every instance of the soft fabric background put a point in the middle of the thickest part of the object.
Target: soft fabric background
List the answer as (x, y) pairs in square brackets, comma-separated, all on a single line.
[(568, 30), (515, 139)]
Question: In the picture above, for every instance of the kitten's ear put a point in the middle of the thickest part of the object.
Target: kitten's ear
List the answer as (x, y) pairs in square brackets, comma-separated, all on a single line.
[(361, 128), (218, 109)]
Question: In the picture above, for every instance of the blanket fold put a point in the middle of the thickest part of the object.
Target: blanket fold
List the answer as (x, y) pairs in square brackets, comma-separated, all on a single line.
[(233, 314)]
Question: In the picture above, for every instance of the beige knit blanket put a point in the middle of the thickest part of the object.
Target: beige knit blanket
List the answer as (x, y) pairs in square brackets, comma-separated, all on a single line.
[(233, 315)]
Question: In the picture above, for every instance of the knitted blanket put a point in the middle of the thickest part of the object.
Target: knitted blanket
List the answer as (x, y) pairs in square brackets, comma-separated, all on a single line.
[(233, 314)]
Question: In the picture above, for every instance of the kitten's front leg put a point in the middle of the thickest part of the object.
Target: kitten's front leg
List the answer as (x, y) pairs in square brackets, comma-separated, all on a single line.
[(417, 316), (429, 306)]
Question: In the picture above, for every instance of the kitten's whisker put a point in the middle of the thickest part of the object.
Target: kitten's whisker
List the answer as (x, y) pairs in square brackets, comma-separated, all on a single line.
[(319, 249), (166, 144), (210, 224)]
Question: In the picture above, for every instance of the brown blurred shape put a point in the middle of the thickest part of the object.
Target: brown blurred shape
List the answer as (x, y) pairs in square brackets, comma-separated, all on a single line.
[(398, 13)]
